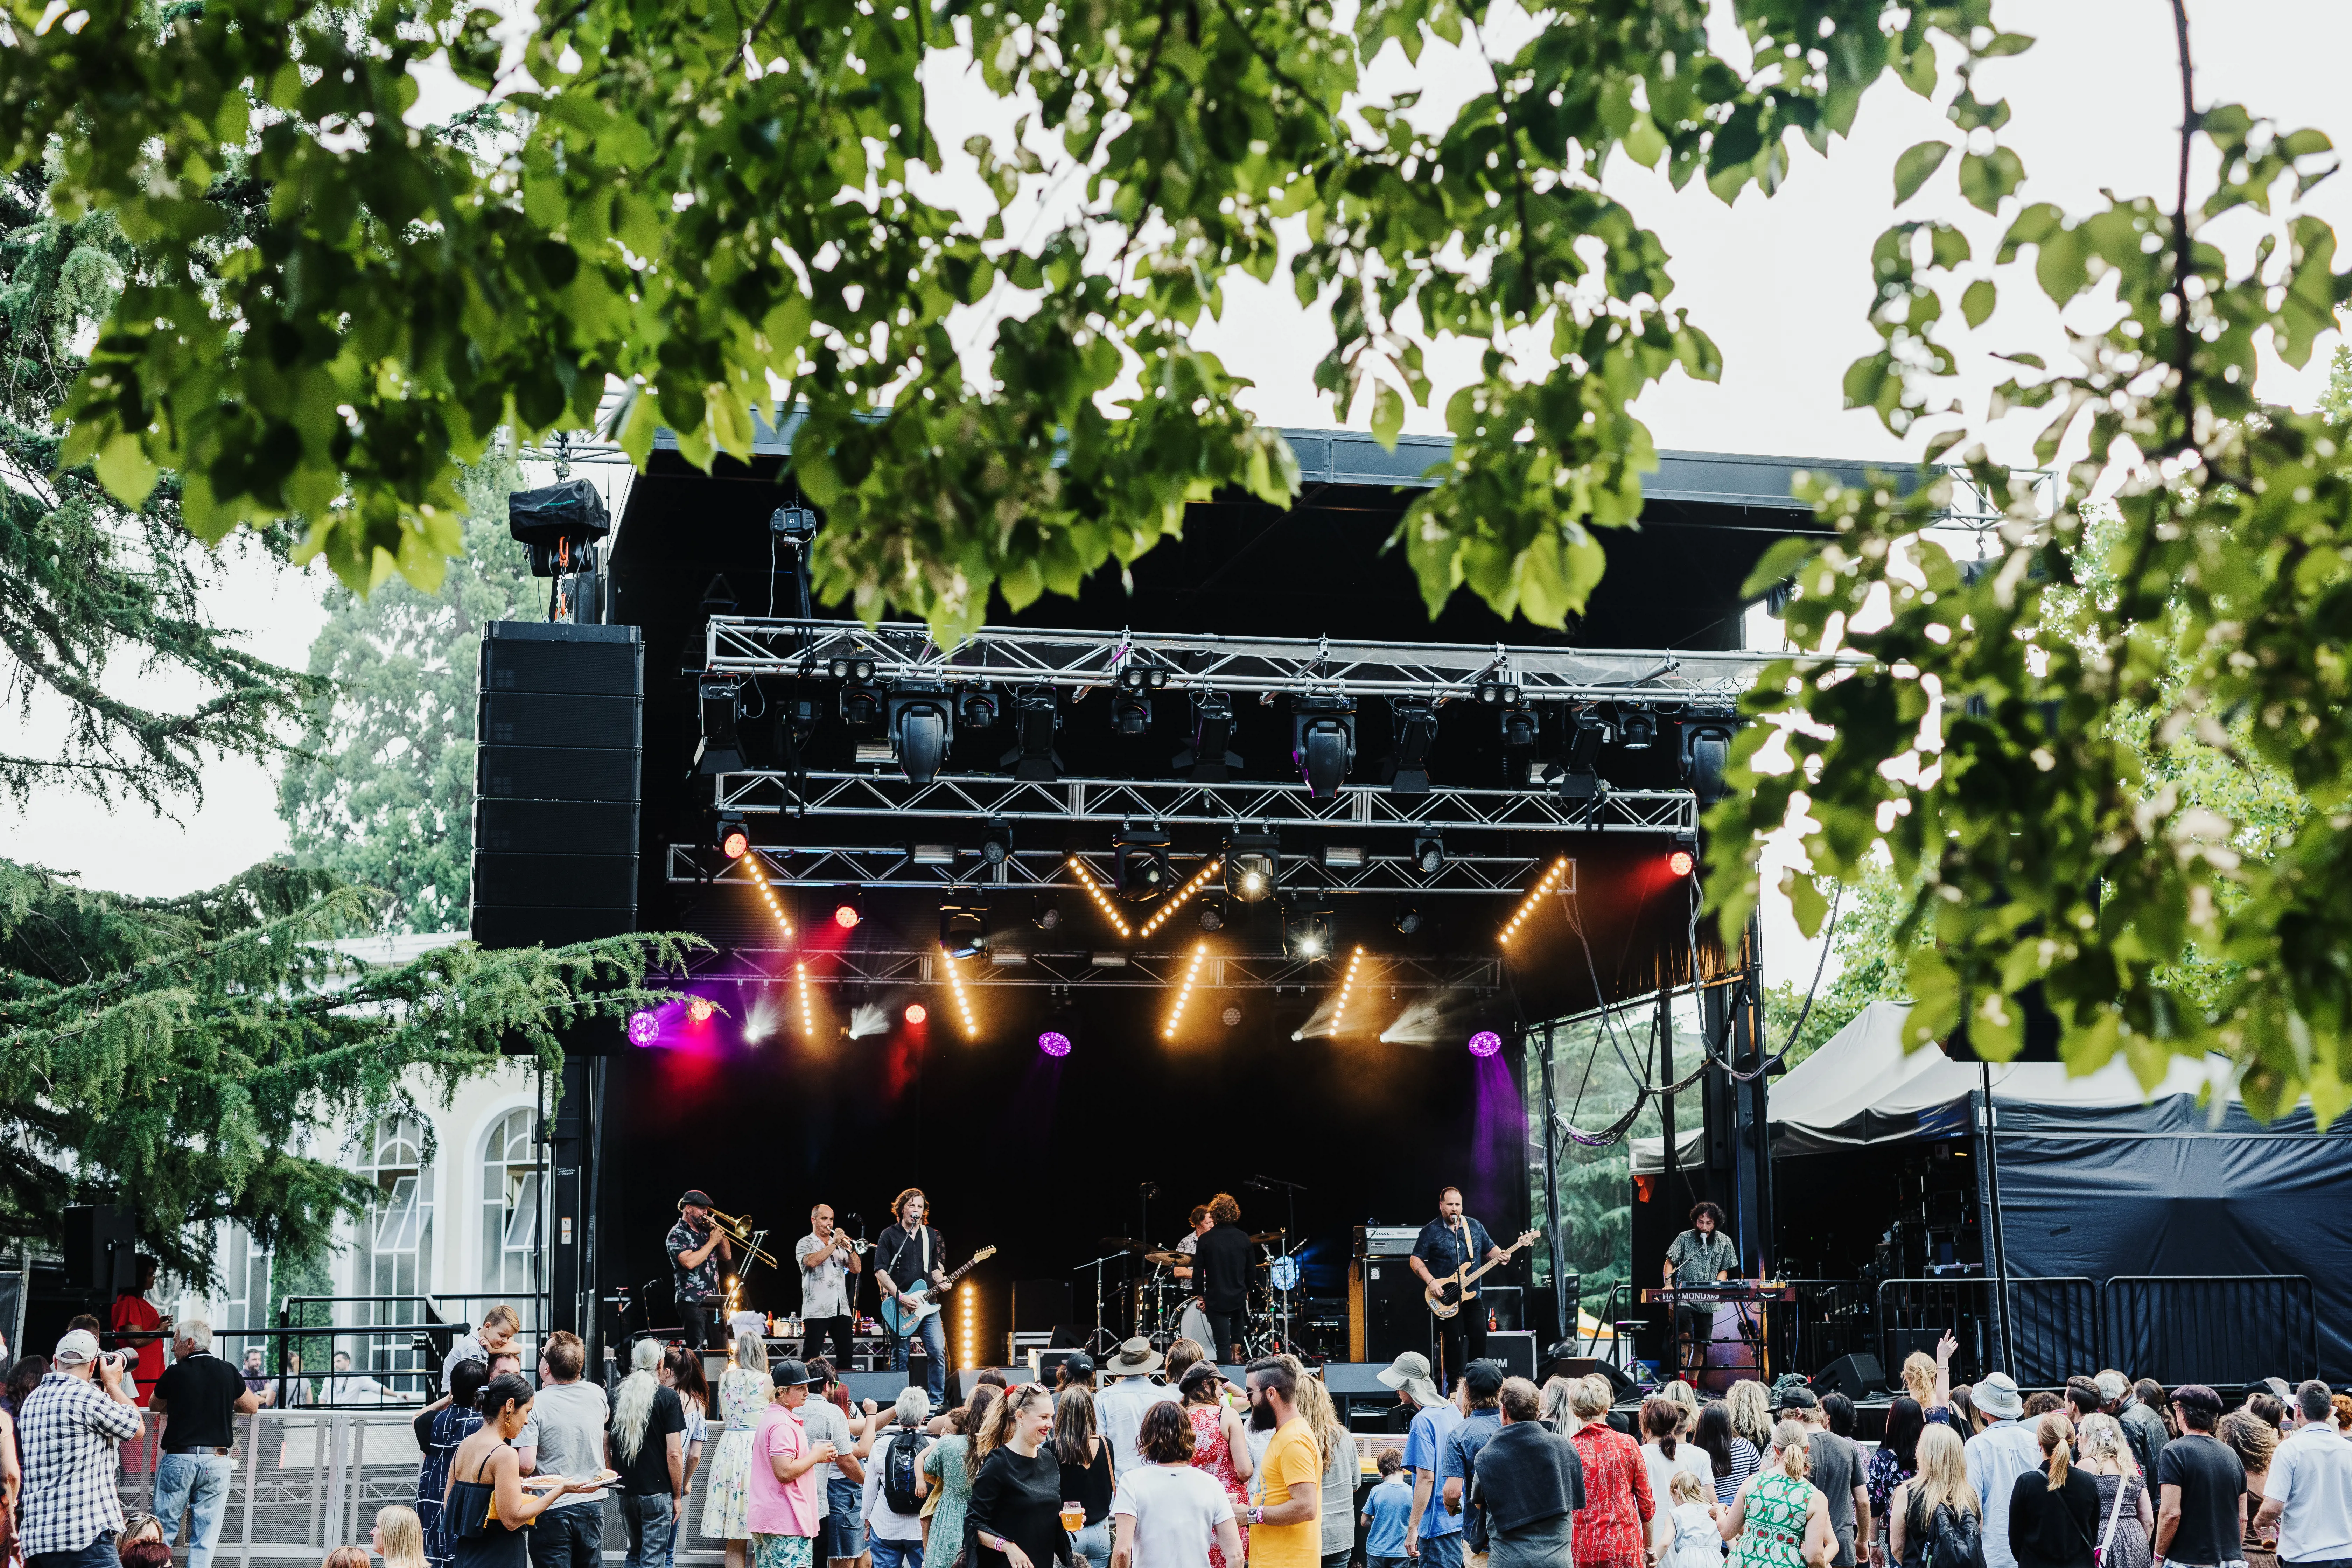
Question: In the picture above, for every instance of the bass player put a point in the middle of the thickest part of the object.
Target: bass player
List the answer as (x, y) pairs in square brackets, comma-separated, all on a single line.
[(912, 1252), (1444, 1246)]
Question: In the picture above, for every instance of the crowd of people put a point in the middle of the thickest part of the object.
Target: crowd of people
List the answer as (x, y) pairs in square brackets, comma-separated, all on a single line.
[(1153, 1461)]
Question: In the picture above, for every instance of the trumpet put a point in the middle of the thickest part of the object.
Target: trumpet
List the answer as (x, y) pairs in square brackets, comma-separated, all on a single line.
[(740, 1227)]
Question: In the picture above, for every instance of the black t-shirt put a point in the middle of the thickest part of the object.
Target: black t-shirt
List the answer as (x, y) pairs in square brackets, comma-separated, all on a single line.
[(898, 1253), (1221, 1266), (200, 1393), (2212, 1483), (647, 1475)]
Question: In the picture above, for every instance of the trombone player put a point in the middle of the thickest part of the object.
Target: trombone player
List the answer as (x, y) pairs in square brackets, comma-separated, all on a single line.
[(697, 1246)]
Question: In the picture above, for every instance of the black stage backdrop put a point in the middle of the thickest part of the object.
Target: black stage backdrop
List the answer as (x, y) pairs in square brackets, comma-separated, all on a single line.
[(1044, 1157)]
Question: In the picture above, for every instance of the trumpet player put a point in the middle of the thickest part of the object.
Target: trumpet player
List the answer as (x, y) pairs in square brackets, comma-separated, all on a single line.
[(829, 1263), (697, 1246)]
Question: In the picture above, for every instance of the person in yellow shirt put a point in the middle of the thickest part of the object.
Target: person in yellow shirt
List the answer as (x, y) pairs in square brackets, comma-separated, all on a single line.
[(1287, 1526)]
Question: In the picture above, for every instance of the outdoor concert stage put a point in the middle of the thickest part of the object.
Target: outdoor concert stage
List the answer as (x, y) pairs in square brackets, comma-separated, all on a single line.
[(1094, 1064)]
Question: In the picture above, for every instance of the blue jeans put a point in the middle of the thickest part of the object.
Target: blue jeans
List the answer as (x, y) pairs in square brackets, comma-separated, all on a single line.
[(935, 1345), (1442, 1551), (651, 1525), (894, 1553), (196, 1485), (99, 1553)]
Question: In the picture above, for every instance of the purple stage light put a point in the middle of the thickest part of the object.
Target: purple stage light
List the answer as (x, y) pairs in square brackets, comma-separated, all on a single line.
[(1486, 1043), (644, 1028), (1054, 1043)]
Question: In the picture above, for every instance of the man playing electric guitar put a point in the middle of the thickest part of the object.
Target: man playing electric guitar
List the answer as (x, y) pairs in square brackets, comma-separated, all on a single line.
[(1445, 1244), (908, 1254)]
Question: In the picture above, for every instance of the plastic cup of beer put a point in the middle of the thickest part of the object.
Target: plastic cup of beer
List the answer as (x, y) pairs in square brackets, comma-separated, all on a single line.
[(1073, 1517)]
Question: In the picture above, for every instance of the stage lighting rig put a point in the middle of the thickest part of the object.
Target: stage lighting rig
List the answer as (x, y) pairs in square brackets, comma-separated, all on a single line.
[(1203, 878), (849, 908), (1210, 756), (1683, 859), (1322, 742), (719, 751), (851, 669), (1407, 919), (1048, 916), (963, 930), (733, 839), (1130, 714), (1347, 989), (976, 708), (962, 997), (1428, 851), (1253, 865), (1101, 896), (1184, 991), (1213, 913), (1140, 861), (1637, 729), (996, 842), (922, 724), (863, 708), (808, 1007), (1705, 749), (1543, 889), (1037, 719), (1415, 722), (1578, 773), (1307, 933), (1497, 693)]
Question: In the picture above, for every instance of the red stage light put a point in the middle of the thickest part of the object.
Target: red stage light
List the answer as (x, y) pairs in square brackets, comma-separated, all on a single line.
[(700, 1008), (916, 1012), (845, 917), (735, 844), (1680, 862)]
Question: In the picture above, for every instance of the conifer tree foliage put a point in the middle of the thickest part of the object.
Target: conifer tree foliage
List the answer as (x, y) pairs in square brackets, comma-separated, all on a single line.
[(380, 789), (190, 1058)]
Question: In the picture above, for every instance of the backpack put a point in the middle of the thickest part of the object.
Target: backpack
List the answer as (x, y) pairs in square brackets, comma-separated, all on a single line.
[(905, 1453), (1955, 1540)]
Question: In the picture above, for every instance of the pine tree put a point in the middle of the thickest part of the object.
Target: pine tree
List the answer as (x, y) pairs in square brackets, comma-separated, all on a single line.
[(382, 789)]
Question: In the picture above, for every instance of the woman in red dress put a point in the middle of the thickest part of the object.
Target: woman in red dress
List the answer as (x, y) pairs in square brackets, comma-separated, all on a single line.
[(1219, 1445), (1613, 1528)]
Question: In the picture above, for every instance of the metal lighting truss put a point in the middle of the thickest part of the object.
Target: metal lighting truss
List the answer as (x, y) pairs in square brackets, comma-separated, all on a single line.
[(895, 866), (1021, 655), (1258, 804), (1221, 971)]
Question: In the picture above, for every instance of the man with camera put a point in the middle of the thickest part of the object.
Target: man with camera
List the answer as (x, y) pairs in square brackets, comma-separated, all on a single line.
[(69, 1433), (200, 1399)]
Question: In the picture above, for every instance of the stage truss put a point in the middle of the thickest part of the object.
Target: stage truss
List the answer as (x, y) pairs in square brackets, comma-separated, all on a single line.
[(1093, 970), (1442, 672), (982, 797), (1049, 870)]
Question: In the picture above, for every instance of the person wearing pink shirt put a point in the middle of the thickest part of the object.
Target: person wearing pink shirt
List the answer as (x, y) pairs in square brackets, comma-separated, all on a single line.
[(780, 1499)]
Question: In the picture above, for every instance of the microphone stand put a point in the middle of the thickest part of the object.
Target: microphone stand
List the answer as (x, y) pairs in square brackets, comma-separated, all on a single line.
[(1100, 1333), (1290, 1191)]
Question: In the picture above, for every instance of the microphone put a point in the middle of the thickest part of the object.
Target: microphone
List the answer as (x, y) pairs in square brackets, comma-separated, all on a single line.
[(1254, 1184), (1148, 1189)]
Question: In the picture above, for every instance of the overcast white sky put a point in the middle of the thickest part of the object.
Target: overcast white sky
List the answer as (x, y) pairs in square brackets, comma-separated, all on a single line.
[(1779, 284)]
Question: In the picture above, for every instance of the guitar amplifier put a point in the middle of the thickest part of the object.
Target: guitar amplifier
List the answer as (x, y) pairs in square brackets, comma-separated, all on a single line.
[(1387, 1313), (1386, 1241)]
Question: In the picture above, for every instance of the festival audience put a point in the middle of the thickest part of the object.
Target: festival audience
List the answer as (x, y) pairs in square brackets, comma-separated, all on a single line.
[(69, 1430), (1286, 1525), (2003, 1449), (1086, 1469), (1612, 1530), (1014, 1517), (1342, 1470), (744, 1391), (2248, 1435), (1481, 1389), (1167, 1513), (1780, 1519), (1529, 1482), (2127, 1513), (2054, 1510), (2307, 1500), (1431, 1533), (2201, 1485), (892, 1500), (1936, 1516), (1732, 1456), (1388, 1508)]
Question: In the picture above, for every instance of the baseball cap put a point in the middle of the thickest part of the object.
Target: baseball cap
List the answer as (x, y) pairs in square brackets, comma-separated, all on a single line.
[(789, 1373), (1079, 1366), (77, 1347), (1798, 1399)]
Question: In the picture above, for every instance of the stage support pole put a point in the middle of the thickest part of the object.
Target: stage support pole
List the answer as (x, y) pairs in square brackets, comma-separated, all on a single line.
[(1989, 1211), (1672, 1168), (1751, 1179), (1560, 1306)]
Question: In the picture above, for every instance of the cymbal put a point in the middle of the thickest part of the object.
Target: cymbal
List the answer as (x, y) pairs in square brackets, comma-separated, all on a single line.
[(1124, 1243), (1269, 1235), (1166, 1259)]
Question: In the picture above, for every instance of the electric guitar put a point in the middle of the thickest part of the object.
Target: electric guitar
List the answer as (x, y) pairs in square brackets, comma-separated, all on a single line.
[(1446, 1292), (912, 1304)]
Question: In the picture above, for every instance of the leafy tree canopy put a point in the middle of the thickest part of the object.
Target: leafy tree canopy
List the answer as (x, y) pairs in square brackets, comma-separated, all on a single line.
[(702, 202)]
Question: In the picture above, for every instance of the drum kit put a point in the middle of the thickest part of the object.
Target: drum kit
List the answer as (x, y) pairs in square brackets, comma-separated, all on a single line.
[(1166, 1308)]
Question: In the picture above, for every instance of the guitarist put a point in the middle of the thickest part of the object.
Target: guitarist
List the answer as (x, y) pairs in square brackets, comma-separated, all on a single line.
[(1451, 1242), (912, 1252)]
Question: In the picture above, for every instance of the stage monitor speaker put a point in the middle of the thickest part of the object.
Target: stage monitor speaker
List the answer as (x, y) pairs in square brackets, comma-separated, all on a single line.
[(1507, 1303), (1358, 1378), (1515, 1348), (882, 1387), (1586, 1365), (101, 1249), (1039, 1304), (1069, 1337), (560, 734), (960, 1386), (1857, 1377)]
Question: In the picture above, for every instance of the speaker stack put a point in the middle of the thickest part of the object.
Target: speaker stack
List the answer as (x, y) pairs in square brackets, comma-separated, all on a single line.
[(558, 748)]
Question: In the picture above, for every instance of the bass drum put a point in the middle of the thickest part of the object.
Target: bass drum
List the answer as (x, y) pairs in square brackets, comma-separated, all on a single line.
[(1193, 1324)]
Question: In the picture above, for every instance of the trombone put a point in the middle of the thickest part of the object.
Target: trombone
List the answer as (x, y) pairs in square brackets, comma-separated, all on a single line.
[(739, 1226)]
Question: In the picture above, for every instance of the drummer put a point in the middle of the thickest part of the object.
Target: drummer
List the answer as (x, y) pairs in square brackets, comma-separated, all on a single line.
[(1186, 1248)]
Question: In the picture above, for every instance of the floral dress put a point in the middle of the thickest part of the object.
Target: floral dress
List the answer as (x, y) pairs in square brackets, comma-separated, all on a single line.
[(952, 1484), (449, 1428), (1773, 1533), (1211, 1453), (743, 1395)]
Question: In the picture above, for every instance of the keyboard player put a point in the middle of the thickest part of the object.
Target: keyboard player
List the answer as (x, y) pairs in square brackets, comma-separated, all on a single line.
[(1700, 1257)]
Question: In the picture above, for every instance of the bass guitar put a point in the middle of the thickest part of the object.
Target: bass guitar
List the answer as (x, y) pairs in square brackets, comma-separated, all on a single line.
[(913, 1303), (1446, 1292)]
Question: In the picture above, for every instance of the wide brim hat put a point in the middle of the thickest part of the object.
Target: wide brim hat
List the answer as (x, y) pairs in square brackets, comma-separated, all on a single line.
[(1136, 1358), (1409, 1371), (1996, 1395)]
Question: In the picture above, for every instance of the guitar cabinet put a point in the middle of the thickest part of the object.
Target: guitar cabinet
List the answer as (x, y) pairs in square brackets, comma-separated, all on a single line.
[(1386, 1313)]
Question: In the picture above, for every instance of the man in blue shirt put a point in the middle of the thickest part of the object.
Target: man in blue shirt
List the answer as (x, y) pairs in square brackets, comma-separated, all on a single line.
[(1431, 1534), (1482, 1383), (1388, 1510), (1444, 1245)]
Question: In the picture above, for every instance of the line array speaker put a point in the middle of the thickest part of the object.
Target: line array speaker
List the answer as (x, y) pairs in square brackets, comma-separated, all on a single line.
[(560, 738)]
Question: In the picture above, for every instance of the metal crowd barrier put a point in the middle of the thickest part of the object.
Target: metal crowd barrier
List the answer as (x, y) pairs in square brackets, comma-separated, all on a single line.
[(2053, 1324), (2226, 1329), (307, 1481)]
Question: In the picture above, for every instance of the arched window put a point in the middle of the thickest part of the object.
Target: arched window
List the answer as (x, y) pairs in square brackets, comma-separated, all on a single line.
[(511, 1205), (396, 1250)]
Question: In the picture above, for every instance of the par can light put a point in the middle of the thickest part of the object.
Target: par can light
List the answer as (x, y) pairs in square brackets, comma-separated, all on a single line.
[(1486, 1043)]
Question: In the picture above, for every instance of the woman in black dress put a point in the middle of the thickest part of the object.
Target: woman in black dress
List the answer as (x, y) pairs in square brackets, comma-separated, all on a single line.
[(1014, 1517), (488, 1505), (1086, 1472), (2053, 1513)]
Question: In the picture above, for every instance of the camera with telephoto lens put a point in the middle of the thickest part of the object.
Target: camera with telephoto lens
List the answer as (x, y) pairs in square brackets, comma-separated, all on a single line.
[(118, 1360)]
